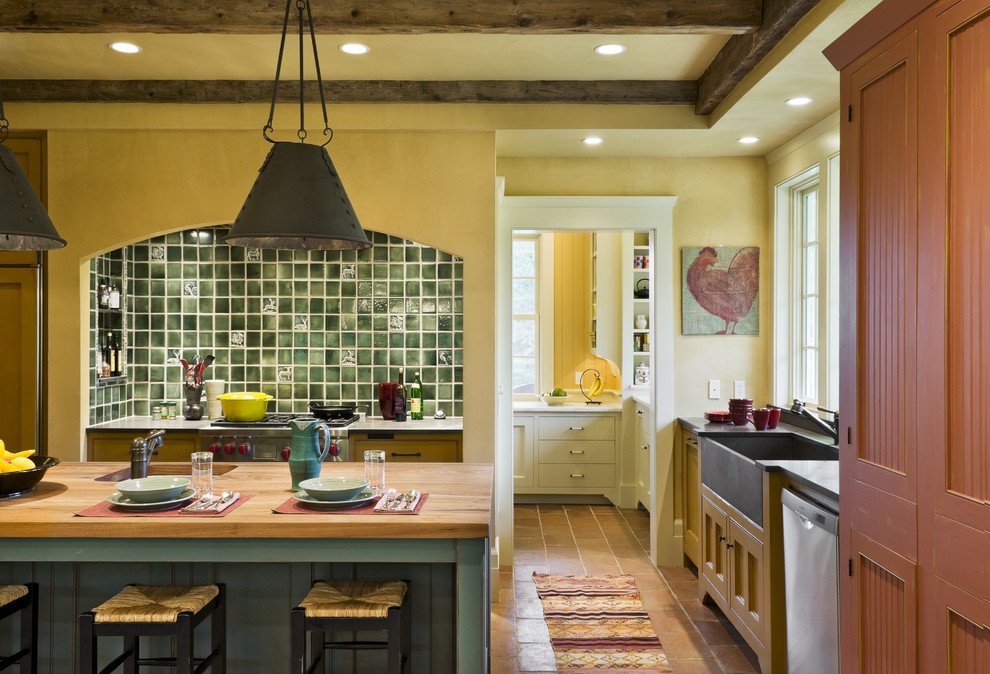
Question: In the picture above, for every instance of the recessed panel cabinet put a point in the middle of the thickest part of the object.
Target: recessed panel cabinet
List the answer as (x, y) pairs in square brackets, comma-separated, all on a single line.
[(915, 445)]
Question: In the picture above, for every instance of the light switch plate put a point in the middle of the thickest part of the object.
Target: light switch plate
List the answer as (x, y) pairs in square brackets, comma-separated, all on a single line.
[(739, 389), (714, 389)]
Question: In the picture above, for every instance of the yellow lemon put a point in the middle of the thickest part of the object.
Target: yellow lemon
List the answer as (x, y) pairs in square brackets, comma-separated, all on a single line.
[(22, 463)]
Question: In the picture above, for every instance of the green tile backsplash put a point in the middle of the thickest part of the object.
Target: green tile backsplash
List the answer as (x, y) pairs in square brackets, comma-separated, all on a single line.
[(299, 325)]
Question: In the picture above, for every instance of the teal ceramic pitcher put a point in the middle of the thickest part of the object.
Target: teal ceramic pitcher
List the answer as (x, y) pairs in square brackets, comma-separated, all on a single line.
[(308, 449)]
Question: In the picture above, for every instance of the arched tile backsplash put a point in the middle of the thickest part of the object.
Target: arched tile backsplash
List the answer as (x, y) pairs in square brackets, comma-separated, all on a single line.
[(300, 325)]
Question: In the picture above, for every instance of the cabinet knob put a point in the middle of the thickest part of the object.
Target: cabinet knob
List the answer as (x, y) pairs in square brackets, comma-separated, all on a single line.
[(645, 447), (728, 546), (721, 538)]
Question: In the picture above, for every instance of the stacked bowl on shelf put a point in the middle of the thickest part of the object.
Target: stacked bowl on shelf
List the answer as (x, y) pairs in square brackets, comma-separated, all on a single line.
[(740, 410)]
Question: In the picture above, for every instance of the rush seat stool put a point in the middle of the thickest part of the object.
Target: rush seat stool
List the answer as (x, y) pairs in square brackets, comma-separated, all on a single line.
[(157, 611), (351, 606), (22, 599)]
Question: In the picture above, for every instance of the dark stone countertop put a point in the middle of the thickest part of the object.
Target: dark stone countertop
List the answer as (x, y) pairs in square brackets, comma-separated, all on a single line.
[(821, 476)]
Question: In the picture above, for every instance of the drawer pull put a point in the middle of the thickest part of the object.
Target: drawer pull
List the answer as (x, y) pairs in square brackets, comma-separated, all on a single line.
[(576, 428), (407, 453), (577, 475), (639, 412), (692, 441), (577, 451), (645, 447)]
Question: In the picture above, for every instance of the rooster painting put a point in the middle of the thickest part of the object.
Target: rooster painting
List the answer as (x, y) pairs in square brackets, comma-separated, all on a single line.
[(723, 284)]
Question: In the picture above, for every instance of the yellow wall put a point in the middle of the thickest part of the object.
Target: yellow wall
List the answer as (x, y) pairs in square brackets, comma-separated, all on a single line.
[(721, 202), (572, 315), (109, 187)]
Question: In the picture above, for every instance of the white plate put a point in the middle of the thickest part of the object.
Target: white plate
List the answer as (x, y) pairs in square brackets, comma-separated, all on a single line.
[(310, 502), (118, 500)]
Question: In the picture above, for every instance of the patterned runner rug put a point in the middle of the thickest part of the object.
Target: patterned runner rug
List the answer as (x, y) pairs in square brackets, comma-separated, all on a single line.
[(598, 624)]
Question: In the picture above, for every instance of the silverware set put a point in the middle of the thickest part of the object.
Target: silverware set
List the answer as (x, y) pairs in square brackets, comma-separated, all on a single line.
[(211, 501), (400, 501)]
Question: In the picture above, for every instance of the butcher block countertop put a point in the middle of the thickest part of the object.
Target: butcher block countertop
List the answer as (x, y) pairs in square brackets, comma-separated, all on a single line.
[(458, 507)]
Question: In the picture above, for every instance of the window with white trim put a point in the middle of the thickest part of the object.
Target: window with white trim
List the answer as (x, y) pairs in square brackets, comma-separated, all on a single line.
[(525, 313)]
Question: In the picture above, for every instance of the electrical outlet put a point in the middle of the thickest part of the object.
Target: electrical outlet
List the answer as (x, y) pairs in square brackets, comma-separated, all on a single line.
[(577, 378), (714, 389), (739, 389)]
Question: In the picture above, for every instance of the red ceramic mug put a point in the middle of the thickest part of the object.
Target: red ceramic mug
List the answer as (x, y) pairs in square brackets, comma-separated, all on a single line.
[(761, 418), (774, 417)]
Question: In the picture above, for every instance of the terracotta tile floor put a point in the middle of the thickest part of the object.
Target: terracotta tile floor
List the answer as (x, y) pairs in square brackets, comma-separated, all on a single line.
[(593, 540)]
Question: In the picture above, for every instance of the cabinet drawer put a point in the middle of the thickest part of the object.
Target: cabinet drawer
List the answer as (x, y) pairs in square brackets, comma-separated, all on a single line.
[(583, 475), (584, 451), (576, 427), (444, 448)]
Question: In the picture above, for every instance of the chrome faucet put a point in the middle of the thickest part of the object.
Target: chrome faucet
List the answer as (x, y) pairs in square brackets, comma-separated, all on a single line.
[(142, 449), (830, 428)]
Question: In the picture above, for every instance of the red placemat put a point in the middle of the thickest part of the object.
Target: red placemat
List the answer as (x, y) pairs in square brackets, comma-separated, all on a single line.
[(294, 507), (107, 509)]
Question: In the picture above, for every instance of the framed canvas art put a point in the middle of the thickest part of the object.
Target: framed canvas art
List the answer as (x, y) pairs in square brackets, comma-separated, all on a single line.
[(720, 290)]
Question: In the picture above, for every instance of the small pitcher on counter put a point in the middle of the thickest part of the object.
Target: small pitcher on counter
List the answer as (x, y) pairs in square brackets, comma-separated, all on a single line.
[(307, 452)]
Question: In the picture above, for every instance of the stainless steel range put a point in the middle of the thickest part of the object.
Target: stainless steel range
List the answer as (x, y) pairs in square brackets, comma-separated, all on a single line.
[(267, 440)]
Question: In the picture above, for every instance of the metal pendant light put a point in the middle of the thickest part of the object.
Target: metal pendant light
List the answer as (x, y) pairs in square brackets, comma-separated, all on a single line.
[(298, 200), (24, 223)]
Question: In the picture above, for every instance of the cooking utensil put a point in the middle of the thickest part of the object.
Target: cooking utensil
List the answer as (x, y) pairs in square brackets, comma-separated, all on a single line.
[(328, 412), (244, 405)]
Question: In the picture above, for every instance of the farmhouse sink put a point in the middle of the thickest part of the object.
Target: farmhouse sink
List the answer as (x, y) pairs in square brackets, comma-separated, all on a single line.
[(729, 464), (178, 468)]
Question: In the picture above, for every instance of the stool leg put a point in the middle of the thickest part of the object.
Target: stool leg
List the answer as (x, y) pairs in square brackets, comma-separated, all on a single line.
[(394, 631), (132, 645), (297, 647), (406, 628), (87, 644), (183, 644), (29, 630), (218, 632)]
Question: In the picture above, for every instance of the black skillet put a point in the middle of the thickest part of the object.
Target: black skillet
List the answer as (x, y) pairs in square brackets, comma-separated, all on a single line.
[(328, 412)]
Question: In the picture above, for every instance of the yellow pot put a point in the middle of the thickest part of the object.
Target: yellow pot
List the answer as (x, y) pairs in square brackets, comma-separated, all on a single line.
[(244, 406)]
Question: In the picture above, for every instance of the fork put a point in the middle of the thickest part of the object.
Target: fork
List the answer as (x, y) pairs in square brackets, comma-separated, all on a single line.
[(212, 502)]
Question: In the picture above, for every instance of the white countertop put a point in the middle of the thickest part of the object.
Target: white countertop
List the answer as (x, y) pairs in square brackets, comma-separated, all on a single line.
[(571, 406), (143, 424)]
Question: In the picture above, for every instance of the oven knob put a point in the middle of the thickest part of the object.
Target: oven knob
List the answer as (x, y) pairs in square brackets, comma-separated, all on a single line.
[(244, 448), (334, 449), (285, 453), (228, 448), (214, 448)]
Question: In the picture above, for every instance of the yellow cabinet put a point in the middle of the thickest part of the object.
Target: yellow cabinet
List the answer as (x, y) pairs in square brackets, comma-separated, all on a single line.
[(690, 495), (423, 447), (116, 445)]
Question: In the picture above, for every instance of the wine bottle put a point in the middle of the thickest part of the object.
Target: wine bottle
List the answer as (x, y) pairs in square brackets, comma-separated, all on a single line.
[(416, 398), (115, 364), (400, 399)]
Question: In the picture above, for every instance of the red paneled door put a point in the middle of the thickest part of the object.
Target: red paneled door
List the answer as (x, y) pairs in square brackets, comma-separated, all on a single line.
[(879, 382), (955, 402)]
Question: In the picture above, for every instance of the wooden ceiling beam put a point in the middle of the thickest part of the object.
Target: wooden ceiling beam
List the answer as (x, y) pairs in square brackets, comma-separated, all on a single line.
[(742, 53), (625, 92), (371, 17)]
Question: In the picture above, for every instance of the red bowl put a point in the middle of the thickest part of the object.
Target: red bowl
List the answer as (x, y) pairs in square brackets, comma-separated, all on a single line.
[(739, 418)]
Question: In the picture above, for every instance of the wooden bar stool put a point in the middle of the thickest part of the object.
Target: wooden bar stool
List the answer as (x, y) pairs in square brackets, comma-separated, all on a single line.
[(22, 599), (337, 606), (157, 611)]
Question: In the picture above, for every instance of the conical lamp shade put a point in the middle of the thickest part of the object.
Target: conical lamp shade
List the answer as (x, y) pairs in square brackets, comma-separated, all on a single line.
[(24, 223), (298, 202)]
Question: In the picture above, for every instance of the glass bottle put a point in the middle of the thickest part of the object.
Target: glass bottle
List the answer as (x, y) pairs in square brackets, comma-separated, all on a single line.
[(400, 399), (111, 356), (103, 293), (113, 301), (416, 398)]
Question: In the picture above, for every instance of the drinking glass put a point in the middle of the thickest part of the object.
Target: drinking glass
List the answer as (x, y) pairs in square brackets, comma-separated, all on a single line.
[(374, 469), (202, 473)]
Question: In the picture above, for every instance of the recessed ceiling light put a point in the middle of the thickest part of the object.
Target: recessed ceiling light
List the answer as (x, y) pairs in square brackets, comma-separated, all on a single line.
[(749, 140), (354, 48), (125, 47), (798, 100), (592, 140), (610, 49)]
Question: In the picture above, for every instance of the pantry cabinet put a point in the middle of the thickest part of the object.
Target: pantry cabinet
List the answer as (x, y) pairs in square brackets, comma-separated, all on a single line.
[(643, 448), (915, 278)]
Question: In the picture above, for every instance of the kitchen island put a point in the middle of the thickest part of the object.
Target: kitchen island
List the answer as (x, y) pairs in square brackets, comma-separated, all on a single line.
[(268, 560)]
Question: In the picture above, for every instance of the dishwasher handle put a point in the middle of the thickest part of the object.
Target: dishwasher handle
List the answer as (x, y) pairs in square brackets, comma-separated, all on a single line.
[(812, 513)]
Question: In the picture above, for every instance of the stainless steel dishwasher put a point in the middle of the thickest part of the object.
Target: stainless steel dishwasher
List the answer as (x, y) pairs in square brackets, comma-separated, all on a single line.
[(811, 584)]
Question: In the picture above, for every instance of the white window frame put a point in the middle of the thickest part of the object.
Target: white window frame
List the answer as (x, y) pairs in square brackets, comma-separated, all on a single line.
[(544, 309), (788, 283)]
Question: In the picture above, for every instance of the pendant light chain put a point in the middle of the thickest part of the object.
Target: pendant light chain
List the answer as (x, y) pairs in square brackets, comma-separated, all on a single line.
[(301, 132)]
